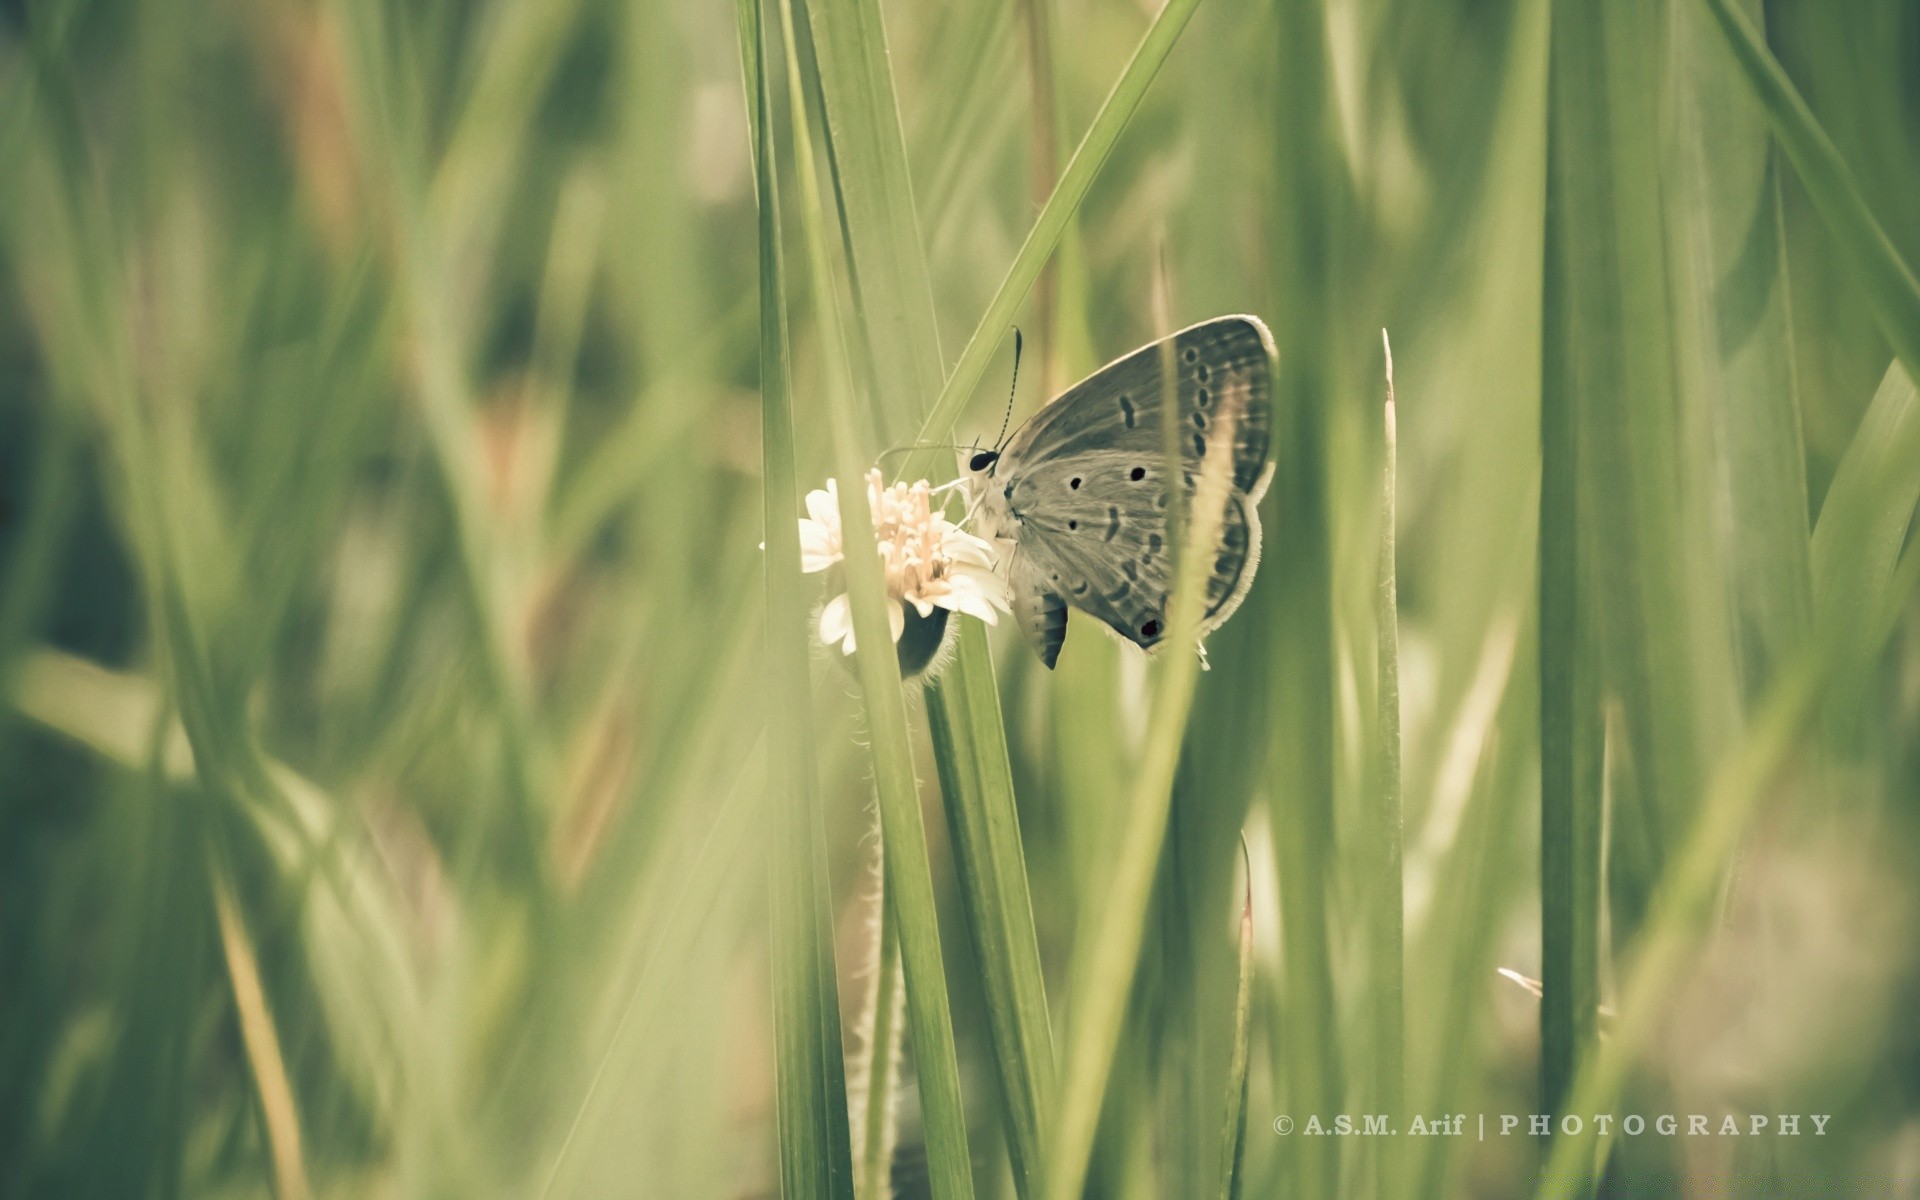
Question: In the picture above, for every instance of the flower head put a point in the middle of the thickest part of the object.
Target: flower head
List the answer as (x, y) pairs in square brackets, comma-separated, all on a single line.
[(929, 562)]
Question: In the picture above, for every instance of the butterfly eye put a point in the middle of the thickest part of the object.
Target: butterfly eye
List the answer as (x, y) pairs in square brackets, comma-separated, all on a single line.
[(982, 460)]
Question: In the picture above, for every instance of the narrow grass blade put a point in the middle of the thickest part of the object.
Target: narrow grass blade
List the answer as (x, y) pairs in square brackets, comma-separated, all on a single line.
[(897, 338), (1569, 715), (985, 830), (1866, 522), (1734, 330), (903, 833), (262, 1042), (1852, 557), (1309, 232), (1082, 169), (1886, 279), (1103, 978), (888, 263), (1233, 1132), (1386, 937), (810, 1083)]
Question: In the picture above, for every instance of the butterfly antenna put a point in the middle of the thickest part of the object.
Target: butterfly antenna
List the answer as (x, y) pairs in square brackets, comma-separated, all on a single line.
[(913, 446), (1012, 388)]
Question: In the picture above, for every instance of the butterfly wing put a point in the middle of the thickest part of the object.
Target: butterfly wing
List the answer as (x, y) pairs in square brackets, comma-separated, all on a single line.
[(1084, 490)]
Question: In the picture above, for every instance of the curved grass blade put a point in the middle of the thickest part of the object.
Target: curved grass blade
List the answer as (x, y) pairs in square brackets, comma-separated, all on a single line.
[(1887, 280), (1865, 520), (273, 1089), (1082, 169)]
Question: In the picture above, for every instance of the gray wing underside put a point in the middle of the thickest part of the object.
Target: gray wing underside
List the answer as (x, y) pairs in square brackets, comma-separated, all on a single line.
[(1223, 367), (1114, 561), (1086, 482)]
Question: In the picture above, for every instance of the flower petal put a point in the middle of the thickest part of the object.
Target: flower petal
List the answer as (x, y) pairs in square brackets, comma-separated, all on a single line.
[(963, 547), (824, 506), (896, 618), (987, 583), (969, 600), (836, 624), (819, 546)]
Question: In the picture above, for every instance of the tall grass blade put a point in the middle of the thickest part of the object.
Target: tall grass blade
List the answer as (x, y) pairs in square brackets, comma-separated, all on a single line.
[(1233, 1133), (1310, 225), (1091, 154), (1866, 524), (1853, 556), (1385, 935), (815, 1151), (1733, 313), (262, 1043), (1103, 977), (894, 330), (903, 832), (888, 263), (1570, 813), (969, 745), (1888, 282)]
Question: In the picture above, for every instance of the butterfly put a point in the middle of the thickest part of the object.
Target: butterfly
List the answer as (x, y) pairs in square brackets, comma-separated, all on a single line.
[(1081, 488)]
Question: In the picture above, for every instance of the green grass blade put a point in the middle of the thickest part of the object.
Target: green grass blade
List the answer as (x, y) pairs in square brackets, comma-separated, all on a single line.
[(897, 335), (1866, 520), (1569, 713), (969, 743), (888, 263), (1733, 317), (1643, 599), (262, 1042), (1082, 169), (1233, 1132), (1855, 556), (1309, 234), (1386, 938), (810, 1082), (1104, 975), (963, 710), (903, 833), (1886, 279)]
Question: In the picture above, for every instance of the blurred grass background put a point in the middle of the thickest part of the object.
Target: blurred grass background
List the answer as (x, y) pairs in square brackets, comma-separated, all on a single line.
[(414, 784)]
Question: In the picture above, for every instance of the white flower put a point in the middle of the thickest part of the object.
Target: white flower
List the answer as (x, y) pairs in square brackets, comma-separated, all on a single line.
[(929, 562)]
